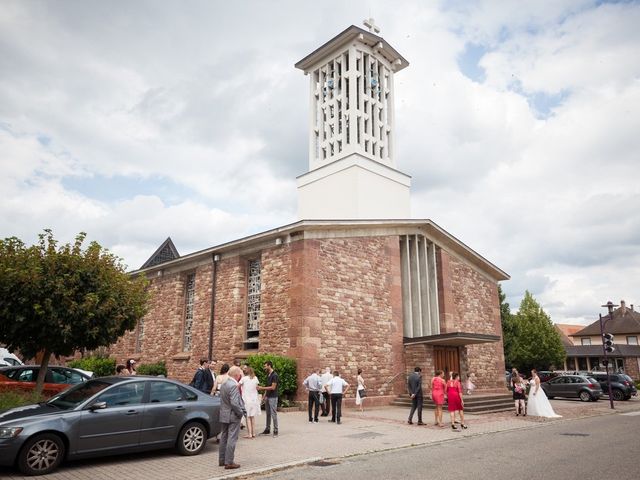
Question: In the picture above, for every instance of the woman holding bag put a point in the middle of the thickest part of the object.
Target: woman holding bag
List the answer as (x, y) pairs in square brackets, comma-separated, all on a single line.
[(361, 391)]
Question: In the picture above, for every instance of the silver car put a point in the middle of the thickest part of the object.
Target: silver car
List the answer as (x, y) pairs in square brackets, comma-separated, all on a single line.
[(105, 416)]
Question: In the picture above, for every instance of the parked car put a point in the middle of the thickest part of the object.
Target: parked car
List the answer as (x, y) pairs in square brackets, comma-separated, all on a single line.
[(105, 416), (56, 379), (8, 359), (573, 386), (622, 386)]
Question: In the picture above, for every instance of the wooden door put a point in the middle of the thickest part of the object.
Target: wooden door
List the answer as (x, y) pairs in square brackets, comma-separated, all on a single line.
[(446, 359)]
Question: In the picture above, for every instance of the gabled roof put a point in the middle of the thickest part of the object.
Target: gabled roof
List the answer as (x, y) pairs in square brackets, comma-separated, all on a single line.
[(165, 253), (348, 35), (562, 330), (624, 320)]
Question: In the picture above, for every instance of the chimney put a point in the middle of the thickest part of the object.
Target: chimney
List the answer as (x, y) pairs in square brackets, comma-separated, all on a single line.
[(623, 307), (631, 306)]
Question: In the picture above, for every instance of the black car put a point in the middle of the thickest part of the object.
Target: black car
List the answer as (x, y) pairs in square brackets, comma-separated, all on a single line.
[(573, 386), (106, 416), (622, 386)]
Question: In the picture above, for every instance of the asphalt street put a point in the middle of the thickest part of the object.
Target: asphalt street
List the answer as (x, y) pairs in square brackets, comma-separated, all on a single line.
[(584, 449)]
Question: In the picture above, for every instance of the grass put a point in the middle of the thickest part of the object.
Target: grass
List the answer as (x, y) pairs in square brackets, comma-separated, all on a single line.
[(12, 399)]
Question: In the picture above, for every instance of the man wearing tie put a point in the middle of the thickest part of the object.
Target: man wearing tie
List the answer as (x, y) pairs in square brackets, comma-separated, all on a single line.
[(231, 412)]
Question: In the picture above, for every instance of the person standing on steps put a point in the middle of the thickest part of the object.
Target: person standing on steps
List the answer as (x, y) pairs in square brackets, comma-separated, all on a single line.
[(271, 404), (414, 385)]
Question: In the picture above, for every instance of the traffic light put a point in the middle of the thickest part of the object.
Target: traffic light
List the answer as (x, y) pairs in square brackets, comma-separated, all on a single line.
[(607, 340)]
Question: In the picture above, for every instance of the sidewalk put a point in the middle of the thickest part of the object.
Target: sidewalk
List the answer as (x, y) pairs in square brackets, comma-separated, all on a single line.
[(377, 429)]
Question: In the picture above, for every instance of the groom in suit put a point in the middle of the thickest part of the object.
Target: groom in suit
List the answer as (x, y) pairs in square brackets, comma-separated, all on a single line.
[(231, 412), (414, 385)]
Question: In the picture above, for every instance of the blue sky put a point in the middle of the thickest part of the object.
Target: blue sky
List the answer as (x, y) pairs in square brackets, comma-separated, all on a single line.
[(517, 121)]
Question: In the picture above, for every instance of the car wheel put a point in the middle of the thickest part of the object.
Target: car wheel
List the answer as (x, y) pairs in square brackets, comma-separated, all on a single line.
[(41, 454), (618, 395), (585, 396), (192, 439)]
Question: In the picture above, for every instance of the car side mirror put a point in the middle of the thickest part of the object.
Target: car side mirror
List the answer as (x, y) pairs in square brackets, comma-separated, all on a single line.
[(98, 406)]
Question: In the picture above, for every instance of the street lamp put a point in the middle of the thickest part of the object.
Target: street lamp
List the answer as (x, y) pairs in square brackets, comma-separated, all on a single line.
[(609, 306)]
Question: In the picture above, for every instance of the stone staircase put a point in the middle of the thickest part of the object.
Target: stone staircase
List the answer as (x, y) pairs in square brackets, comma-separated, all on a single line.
[(477, 403)]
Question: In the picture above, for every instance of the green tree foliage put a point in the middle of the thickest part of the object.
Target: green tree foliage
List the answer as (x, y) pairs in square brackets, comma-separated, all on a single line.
[(60, 299), (509, 328), (100, 366), (285, 367), (537, 343)]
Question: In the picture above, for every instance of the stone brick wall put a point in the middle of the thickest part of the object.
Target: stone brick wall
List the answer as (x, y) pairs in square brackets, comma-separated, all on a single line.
[(470, 302)]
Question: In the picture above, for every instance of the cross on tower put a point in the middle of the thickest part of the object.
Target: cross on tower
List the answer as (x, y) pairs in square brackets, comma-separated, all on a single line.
[(370, 24)]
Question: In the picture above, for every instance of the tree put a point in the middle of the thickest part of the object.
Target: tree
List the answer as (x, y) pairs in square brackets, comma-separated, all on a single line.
[(509, 327), (57, 300), (537, 343)]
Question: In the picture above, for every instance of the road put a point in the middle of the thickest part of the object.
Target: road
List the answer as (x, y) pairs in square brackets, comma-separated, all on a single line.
[(589, 448)]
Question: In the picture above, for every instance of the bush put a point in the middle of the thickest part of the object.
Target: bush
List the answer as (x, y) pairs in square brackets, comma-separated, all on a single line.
[(12, 399), (285, 367), (153, 369), (100, 366)]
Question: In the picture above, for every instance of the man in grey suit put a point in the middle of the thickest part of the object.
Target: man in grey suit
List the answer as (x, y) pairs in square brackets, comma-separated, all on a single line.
[(231, 412), (414, 385)]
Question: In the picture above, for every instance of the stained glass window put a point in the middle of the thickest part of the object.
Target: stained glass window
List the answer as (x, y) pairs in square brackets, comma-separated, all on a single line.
[(190, 293)]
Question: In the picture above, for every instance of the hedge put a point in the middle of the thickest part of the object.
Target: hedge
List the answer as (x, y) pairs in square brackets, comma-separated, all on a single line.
[(285, 367), (100, 366), (11, 399), (153, 369)]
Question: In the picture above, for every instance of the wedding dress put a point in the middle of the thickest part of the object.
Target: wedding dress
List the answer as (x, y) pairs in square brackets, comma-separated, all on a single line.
[(538, 404)]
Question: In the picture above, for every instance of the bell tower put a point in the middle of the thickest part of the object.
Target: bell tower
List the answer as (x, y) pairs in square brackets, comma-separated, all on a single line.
[(352, 169)]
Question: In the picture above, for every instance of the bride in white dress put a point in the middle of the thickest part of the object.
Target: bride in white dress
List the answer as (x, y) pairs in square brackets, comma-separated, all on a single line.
[(538, 404)]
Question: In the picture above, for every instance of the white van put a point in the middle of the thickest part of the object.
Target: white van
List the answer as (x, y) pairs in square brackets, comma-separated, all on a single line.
[(8, 359)]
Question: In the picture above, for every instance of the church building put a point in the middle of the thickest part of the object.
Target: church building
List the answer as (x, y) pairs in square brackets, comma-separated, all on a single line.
[(355, 282)]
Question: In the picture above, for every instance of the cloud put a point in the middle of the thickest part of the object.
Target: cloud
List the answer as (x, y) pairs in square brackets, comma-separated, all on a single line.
[(516, 122)]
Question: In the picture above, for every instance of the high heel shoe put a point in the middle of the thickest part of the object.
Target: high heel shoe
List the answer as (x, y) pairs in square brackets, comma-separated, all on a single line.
[(463, 426), (453, 427)]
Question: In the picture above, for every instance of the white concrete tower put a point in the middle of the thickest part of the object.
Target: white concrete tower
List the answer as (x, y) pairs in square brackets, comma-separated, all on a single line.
[(352, 170)]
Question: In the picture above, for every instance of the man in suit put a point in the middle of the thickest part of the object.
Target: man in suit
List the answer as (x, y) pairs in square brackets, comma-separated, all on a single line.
[(203, 379), (231, 412), (414, 385)]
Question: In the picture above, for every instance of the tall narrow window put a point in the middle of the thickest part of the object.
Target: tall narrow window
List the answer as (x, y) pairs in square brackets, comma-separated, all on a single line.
[(254, 286), (190, 293), (139, 335)]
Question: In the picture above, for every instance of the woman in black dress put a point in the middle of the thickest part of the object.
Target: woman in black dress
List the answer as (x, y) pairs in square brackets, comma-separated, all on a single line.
[(519, 389)]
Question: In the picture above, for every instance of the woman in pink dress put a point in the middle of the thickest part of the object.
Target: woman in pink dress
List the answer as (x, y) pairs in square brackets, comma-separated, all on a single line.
[(454, 400), (437, 395)]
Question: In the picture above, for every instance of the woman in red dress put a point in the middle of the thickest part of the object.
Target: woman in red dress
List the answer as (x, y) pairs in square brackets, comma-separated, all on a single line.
[(454, 400), (437, 395)]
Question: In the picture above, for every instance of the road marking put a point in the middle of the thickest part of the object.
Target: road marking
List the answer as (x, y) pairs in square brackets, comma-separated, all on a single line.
[(631, 414)]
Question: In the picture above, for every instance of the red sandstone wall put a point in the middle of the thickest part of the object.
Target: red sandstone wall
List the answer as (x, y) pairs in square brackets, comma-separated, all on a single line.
[(471, 305)]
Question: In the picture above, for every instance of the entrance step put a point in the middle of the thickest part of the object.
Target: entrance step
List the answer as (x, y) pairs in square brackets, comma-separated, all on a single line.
[(477, 403)]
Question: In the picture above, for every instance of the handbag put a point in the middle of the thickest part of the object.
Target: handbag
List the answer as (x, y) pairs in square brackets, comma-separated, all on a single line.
[(362, 393)]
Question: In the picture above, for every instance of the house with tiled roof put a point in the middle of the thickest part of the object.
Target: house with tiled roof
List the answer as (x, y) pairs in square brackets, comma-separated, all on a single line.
[(585, 351)]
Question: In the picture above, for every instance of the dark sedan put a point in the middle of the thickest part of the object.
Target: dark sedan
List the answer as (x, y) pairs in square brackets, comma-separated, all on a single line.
[(573, 386), (106, 416)]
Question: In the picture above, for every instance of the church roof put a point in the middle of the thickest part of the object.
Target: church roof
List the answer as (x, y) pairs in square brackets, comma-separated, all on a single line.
[(310, 228), (165, 253), (624, 320), (348, 35)]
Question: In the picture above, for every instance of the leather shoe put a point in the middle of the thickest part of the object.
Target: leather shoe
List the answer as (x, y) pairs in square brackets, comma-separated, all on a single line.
[(266, 432), (231, 466), (420, 423)]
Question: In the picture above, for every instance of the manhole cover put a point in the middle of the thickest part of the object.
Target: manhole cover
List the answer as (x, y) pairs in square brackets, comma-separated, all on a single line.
[(575, 434), (365, 435), (323, 463)]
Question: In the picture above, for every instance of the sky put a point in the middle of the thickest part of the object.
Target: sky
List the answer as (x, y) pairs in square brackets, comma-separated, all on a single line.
[(519, 123)]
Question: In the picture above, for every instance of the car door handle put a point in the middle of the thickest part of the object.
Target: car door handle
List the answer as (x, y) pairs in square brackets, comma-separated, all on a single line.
[(131, 412), (179, 408)]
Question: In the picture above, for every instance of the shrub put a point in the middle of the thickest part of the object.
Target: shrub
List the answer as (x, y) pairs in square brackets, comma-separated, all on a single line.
[(153, 369), (100, 366), (285, 367), (12, 399)]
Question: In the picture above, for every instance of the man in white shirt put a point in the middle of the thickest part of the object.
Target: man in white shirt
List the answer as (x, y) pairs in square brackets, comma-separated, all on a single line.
[(313, 386), (325, 378), (337, 387)]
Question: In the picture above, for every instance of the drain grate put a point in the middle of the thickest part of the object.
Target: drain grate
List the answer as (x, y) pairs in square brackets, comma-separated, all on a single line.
[(576, 434), (323, 463)]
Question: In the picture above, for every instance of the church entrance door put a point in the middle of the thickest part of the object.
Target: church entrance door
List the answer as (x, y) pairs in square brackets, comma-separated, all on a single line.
[(446, 359)]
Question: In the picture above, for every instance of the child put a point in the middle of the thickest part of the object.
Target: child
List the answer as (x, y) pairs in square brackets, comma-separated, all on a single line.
[(470, 385)]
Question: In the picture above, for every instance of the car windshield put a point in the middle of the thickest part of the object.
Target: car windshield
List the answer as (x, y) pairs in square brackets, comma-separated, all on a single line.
[(74, 396), (592, 380)]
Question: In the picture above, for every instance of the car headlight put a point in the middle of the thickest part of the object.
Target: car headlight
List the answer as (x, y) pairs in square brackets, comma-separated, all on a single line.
[(10, 432)]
